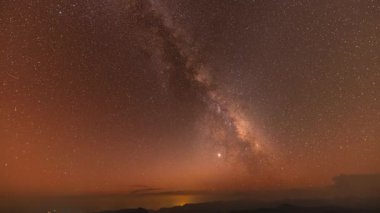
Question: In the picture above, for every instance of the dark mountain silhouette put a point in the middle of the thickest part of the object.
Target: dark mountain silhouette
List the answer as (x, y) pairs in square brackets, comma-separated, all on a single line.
[(349, 193), (251, 207), (138, 210), (286, 208)]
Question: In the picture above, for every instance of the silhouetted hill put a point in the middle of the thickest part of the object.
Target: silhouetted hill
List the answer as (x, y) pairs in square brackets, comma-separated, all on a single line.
[(138, 210), (242, 207), (286, 208)]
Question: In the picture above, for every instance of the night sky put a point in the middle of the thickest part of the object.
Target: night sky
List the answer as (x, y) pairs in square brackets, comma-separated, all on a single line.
[(207, 95)]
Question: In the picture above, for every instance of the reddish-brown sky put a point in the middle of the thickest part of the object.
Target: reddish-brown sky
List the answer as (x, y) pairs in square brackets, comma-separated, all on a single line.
[(104, 96)]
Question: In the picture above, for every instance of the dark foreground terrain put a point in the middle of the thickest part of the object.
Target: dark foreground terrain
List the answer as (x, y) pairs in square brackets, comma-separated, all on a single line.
[(249, 207)]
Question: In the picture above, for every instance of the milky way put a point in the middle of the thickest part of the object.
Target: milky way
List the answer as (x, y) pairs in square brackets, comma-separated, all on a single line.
[(230, 129)]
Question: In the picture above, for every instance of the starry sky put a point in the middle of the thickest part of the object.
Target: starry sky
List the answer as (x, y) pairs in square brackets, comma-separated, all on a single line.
[(125, 96)]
